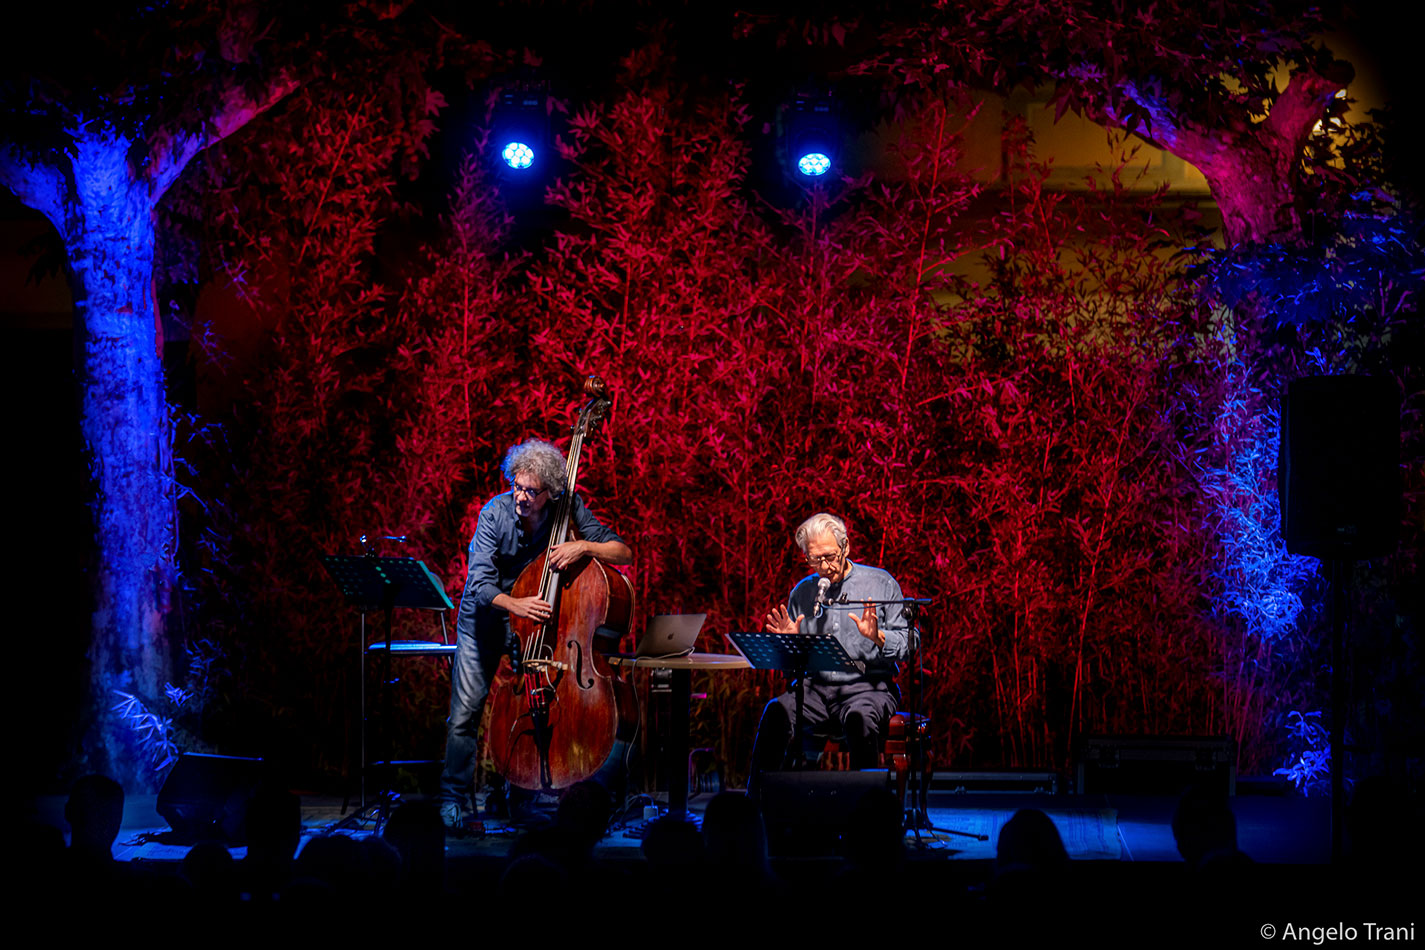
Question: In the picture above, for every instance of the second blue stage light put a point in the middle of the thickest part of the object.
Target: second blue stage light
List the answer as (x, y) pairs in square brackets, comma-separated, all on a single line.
[(517, 155), (813, 164)]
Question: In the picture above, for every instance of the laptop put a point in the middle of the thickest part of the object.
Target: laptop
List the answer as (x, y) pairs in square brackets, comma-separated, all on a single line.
[(670, 635)]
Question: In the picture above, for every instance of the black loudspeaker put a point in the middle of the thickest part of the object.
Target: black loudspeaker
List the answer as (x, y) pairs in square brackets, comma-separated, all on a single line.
[(205, 797), (1154, 765), (1339, 470), (806, 813)]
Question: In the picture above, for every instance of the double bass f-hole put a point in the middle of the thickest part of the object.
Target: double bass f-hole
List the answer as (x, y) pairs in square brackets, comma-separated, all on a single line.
[(578, 651)]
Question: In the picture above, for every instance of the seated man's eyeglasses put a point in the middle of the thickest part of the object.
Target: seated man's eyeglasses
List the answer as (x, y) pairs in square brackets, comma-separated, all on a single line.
[(519, 489)]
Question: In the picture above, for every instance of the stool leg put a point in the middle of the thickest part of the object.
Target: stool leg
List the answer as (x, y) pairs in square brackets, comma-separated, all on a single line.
[(901, 766)]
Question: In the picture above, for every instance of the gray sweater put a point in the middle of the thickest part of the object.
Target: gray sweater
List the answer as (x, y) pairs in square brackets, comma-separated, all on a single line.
[(861, 583)]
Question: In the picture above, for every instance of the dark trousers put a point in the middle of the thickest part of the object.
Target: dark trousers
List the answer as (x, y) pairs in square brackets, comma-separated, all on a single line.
[(860, 710)]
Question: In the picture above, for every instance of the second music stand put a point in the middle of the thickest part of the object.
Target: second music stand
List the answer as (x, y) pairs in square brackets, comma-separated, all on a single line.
[(371, 583), (794, 653)]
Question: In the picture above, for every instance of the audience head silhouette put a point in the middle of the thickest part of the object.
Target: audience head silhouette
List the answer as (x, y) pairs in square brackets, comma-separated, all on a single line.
[(1030, 841)]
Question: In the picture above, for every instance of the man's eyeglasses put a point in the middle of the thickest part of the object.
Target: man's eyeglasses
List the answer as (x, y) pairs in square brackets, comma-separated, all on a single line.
[(519, 489), (816, 560)]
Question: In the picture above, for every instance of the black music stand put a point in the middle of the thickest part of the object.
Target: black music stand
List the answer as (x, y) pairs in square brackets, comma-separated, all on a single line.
[(371, 583), (799, 654)]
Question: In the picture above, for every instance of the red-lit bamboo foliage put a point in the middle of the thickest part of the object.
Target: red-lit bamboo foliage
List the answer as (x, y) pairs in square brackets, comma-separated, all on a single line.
[(1000, 391), (1085, 593), (330, 407)]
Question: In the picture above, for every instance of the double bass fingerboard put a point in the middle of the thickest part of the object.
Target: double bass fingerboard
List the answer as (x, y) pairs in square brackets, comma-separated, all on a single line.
[(589, 418)]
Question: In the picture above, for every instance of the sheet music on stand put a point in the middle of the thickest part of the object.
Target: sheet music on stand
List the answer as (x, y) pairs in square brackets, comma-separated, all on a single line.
[(368, 582), (794, 652)]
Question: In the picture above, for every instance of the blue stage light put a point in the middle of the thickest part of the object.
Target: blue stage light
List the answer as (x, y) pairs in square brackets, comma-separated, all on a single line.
[(517, 155), (814, 164), (811, 136)]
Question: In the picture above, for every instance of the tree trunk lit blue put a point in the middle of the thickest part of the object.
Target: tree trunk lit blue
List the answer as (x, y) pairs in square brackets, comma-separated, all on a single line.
[(124, 419), (103, 207), (104, 214)]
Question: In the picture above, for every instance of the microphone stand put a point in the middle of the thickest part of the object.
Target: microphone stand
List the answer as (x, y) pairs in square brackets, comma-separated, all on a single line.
[(917, 816)]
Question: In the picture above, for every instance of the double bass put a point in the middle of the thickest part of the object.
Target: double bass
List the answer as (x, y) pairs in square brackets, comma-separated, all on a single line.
[(557, 707)]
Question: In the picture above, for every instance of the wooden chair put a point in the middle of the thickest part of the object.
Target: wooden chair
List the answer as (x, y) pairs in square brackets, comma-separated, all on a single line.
[(899, 747)]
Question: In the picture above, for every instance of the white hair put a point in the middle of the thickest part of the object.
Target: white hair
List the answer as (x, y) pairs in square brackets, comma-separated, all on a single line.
[(819, 524), (538, 458)]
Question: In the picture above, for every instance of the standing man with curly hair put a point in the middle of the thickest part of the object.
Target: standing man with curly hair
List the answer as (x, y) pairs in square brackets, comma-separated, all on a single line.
[(512, 531)]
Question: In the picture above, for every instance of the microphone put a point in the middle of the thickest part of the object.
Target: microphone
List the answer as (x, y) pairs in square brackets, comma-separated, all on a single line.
[(371, 552), (822, 586)]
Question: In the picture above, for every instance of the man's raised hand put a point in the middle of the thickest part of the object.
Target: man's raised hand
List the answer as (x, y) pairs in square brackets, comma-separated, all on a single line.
[(779, 621), (869, 626)]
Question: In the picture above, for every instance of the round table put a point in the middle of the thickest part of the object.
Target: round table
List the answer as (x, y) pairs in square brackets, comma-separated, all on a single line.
[(680, 727)]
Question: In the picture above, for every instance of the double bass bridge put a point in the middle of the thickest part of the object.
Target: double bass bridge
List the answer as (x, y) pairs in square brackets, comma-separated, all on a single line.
[(546, 666)]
